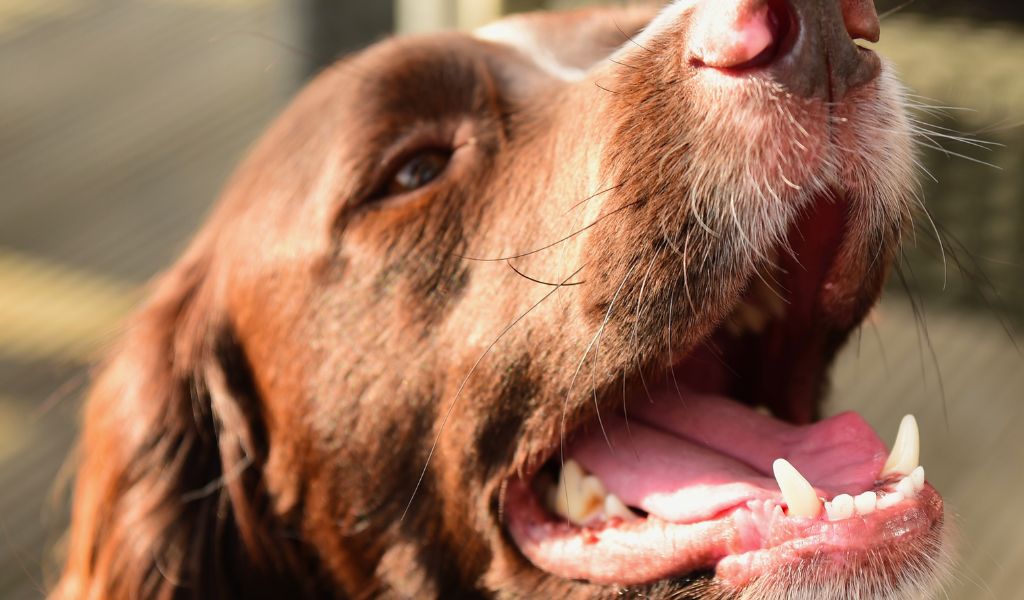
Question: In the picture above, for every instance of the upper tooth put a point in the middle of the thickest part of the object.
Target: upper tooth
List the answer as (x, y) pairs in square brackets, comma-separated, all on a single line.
[(796, 491), (906, 451), (566, 494), (593, 495), (578, 497), (613, 507)]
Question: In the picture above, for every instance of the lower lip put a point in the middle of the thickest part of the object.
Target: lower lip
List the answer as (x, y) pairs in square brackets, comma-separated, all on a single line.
[(649, 550)]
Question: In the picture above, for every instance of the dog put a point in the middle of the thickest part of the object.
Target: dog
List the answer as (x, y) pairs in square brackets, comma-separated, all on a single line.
[(545, 310)]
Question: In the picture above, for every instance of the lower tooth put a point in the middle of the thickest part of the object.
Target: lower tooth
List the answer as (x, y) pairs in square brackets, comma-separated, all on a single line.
[(906, 488), (917, 477), (840, 508), (889, 500), (866, 503)]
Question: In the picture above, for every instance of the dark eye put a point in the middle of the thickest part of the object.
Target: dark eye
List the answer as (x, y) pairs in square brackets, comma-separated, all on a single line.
[(418, 170)]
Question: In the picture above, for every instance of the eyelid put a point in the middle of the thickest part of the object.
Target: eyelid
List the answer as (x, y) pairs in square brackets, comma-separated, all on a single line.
[(402, 150)]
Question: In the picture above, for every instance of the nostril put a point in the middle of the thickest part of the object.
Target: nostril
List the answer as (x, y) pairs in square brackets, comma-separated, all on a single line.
[(741, 35)]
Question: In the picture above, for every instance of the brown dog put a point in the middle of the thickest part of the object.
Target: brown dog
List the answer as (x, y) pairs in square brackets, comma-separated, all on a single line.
[(533, 312)]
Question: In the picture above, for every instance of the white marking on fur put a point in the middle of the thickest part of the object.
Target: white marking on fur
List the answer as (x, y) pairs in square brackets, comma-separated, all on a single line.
[(517, 33), (665, 19)]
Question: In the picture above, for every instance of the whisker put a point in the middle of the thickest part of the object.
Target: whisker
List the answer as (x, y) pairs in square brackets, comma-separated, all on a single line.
[(917, 307), (553, 244), (579, 367), (892, 11), (462, 387), (631, 39), (593, 196), (538, 281)]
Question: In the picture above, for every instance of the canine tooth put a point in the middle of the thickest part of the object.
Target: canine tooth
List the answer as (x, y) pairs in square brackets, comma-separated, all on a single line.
[(906, 451), (613, 507), (917, 476), (865, 503), (841, 508), (906, 488), (567, 491), (889, 500), (798, 493)]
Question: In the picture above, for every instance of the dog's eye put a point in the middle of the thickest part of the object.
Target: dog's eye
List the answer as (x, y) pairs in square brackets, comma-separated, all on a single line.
[(419, 170)]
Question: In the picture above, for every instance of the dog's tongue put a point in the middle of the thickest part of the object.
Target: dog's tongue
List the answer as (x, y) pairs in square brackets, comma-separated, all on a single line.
[(689, 459)]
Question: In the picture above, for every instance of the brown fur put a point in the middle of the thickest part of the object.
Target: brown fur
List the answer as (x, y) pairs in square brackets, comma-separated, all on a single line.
[(262, 427)]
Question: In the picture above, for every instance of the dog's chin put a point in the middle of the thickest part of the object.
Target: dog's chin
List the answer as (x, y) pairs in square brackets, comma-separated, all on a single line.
[(675, 478)]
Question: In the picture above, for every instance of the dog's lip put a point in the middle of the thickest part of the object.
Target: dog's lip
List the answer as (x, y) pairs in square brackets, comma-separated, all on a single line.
[(721, 538), (740, 544)]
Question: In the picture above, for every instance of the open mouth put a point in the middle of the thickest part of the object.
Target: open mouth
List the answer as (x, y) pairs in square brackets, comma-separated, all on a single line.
[(721, 464)]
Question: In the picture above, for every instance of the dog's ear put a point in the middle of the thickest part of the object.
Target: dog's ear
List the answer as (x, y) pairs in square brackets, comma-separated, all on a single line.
[(168, 502)]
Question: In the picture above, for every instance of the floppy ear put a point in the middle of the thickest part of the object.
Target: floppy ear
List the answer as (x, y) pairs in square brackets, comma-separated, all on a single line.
[(168, 500)]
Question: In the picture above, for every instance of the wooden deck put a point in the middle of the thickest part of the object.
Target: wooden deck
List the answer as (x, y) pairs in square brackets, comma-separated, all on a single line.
[(119, 121)]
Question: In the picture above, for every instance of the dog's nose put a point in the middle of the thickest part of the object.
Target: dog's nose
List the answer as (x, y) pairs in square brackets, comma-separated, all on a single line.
[(808, 46)]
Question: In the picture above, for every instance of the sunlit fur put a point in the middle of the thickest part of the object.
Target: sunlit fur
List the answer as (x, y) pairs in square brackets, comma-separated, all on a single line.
[(327, 395)]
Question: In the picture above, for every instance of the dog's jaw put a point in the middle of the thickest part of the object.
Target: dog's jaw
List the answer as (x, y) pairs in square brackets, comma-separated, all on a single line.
[(770, 152)]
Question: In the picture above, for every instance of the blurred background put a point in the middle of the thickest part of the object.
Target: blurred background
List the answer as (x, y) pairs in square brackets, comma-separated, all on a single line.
[(121, 119)]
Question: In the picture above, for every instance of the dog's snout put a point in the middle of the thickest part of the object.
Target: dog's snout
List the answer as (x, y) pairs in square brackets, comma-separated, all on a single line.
[(808, 46)]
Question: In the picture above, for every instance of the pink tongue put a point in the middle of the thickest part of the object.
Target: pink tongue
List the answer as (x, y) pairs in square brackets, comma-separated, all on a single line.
[(687, 460)]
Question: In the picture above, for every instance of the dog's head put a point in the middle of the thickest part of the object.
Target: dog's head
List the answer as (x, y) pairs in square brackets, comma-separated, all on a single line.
[(532, 311)]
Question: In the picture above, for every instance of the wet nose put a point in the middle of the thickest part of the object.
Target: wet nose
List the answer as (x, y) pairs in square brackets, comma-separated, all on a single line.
[(808, 46)]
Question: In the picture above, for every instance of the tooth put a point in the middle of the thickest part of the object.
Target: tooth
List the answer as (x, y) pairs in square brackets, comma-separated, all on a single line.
[(613, 507), (866, 503), (906, 451), (918, 478), (889, 500), (578, 497), (592, 494), (840, 508), (567, 493), (906, 488), (799, 495)]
